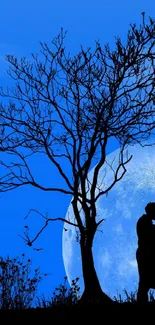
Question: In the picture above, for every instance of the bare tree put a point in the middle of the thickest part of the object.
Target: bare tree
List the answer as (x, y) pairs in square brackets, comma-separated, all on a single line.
[(69, 108)]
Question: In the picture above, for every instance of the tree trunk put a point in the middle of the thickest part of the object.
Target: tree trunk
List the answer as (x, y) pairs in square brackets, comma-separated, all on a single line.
[(92, 289)]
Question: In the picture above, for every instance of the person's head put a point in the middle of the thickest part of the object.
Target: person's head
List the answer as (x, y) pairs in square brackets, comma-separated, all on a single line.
[(150, 210)]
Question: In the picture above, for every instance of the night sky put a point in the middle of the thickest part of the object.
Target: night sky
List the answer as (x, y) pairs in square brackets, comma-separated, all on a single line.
[(23, 24)]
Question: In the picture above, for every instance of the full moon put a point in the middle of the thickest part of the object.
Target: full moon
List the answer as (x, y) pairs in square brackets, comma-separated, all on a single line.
[(115, 242)]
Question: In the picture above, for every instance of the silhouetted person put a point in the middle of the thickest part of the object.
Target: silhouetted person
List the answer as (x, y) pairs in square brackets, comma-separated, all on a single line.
[(146, 252)]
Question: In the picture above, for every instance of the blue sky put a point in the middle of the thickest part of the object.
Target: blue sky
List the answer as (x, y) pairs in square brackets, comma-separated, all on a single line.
[(22, 25)]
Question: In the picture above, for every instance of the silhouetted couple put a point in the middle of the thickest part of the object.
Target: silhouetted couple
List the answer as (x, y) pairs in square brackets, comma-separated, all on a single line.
[(145, 253)]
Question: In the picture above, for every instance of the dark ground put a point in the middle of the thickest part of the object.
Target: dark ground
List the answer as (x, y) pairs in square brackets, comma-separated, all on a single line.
[(102, 314)]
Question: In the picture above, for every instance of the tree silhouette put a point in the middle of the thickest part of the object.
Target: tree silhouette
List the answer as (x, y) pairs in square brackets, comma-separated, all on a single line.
[(69, 108)]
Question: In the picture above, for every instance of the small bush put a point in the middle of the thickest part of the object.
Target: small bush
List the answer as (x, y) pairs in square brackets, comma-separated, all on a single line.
[(62, 295), (17, 288)]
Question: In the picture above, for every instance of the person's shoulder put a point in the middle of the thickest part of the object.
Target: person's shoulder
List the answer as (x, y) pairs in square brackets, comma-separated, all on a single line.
[(142, 219), (143, 216)]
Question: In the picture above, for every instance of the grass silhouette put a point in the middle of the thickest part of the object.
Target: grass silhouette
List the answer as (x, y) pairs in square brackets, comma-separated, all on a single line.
[(19, 300)]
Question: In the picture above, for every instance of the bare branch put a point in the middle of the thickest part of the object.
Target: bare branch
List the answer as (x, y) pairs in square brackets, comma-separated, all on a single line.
[(116, 178), (99, 222), (47, 220), (69, 108)]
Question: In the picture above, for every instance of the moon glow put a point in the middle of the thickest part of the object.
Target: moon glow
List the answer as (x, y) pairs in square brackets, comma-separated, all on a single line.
[(114, 249)]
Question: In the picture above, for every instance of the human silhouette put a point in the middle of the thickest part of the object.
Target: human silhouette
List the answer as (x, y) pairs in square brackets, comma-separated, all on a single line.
[(145, 253)]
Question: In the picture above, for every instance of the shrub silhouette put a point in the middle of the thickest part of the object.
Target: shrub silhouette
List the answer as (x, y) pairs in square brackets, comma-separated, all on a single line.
[(17, 288), (62, 295)]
